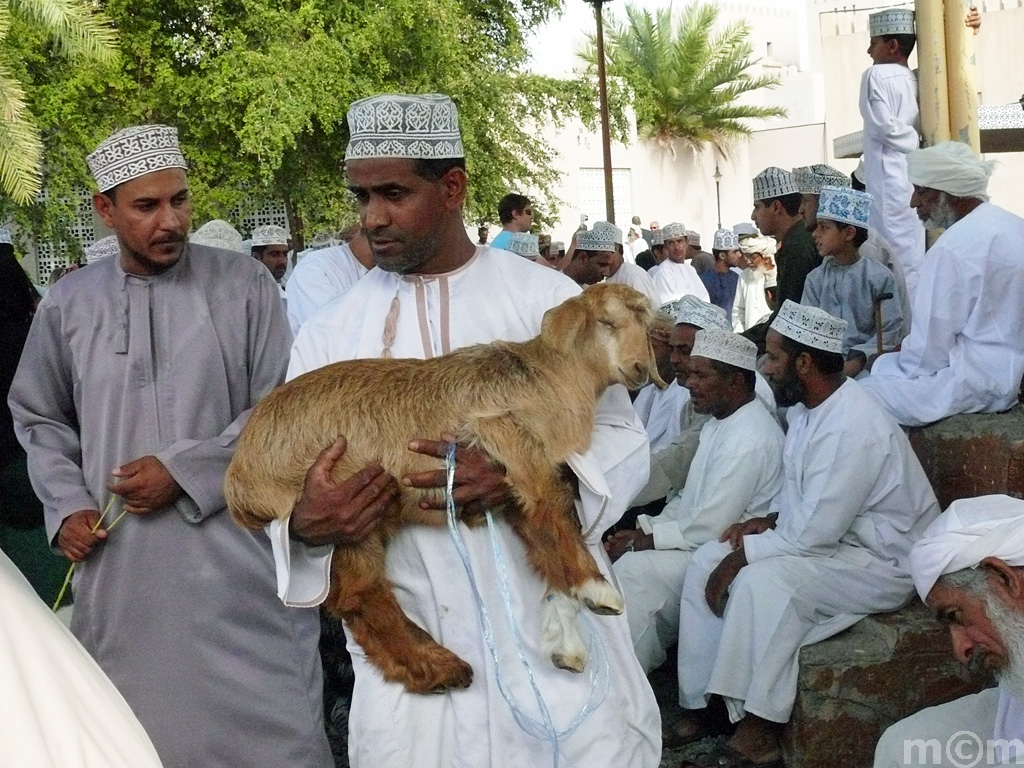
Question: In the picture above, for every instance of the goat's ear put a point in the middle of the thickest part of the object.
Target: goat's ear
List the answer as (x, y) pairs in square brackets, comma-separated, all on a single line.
[(641, 305), (563, 324)]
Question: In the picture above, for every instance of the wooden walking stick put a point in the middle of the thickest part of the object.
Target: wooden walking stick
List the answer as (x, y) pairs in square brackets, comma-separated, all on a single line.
[(877, 308)]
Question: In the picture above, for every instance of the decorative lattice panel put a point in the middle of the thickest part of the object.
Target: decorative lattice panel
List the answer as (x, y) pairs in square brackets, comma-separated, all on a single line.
[(51, 256), (272, 212), (592, 195)]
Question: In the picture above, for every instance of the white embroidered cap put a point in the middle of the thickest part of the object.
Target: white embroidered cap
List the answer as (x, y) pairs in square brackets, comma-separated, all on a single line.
[(657, 237), (102, 249), (745, 229), (524, 244), (269, 234), (597, 239), (810, 326), (134, 152), (218, 234), (726, 347), (725, 240), (408, 126), (616, 232), (693, 238), (845, 205), (773, 182), (5, 236), (811, 178), (892, 21), (692, 311), (673, 231)]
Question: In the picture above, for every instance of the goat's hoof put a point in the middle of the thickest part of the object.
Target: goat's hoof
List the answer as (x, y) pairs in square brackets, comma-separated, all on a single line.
[(570, 662), (451, 674), (600, 597)]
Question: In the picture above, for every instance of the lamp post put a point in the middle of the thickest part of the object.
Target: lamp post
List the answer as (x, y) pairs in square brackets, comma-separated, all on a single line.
[(606, 141), (718, 193)]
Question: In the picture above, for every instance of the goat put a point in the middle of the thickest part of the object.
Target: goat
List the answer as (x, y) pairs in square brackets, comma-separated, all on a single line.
[(528, 405)]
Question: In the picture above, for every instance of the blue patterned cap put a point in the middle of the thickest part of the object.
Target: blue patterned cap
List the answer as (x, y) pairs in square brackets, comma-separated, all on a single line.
[(892, 21), (847, 206)]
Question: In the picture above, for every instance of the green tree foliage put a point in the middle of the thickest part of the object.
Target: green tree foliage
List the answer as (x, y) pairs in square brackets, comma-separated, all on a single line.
[(69, 28), (685, 79), (259, 90)]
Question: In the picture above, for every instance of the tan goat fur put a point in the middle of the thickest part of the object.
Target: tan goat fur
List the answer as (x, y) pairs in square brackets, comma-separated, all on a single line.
[(528, 405)]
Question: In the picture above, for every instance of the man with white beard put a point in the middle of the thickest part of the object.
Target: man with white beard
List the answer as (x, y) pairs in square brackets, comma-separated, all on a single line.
[(969, 567), (965, 350)]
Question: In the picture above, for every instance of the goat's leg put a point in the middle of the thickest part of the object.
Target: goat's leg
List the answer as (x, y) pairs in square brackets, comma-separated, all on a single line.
[(401, 650)]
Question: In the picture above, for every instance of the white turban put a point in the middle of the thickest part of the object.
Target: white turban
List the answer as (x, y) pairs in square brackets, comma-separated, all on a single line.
[(950, 167), (759, 244), (964, 535)]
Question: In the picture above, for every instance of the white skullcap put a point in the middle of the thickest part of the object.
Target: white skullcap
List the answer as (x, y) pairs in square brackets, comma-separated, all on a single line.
[(269, 234), (5, 236), (810, 326), (725, 240), (657, 237), (692, 311), (693, 238), (134, 152), (406, 126), (598, 239), (218, 234), (773, 182), (811, 178), (616, 232), (845, 205), (964, 535), (745, 229), (673, 231), (102, 249), (726, 347), (893, 21), (523, 244), (950, 167), (758, 244)]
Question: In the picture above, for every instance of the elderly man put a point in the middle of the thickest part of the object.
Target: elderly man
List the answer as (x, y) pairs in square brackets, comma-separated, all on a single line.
[(965, 350), (675, 277), (434, 291), (969, 567), (750, 306), (809, 181), (515, 212), (834, 549), (735, 474), (137, 377), (325, 274)]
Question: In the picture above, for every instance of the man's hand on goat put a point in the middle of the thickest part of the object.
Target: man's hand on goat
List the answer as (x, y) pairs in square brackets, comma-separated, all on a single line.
[(329, 512), (145, 485), (76, 538), (479, 482)]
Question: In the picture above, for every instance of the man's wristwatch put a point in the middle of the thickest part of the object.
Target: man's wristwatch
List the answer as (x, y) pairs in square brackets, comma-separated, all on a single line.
[(631, 547)]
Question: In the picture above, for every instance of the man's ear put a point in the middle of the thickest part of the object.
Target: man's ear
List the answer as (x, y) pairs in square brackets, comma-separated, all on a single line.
[(454, 184), (1005, 578), (104, 207)]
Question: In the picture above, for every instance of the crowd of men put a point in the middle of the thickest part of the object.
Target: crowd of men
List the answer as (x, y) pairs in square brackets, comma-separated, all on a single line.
[(767, 499)]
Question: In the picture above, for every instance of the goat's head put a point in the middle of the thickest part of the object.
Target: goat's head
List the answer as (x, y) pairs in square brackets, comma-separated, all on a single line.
[(608, 325)]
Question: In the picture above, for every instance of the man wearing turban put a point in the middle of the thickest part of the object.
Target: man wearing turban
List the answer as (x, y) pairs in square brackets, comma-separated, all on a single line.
[(965, 350), (969, 567)]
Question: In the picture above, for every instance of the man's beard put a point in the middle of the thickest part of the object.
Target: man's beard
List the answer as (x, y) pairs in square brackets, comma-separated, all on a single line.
[(1009, 623), (787, 388), (943, 216)]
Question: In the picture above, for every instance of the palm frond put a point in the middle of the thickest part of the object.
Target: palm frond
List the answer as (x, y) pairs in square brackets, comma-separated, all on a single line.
[(21, 149), (78, 31)]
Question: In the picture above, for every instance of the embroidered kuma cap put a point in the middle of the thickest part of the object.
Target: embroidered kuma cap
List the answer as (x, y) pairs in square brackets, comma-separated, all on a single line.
[(218, 234), (693, 238), (673, 231), (418, 127), (725, 240), (269, 234), (690, 310), (657, 237), (811, 178), (810, 326), (5, 236), (773, 182), (892, 21), (745, 229), (134, 152), (598, 239), (102, 249), (847, 206), (726, 347), (616, 232), (524, 244)]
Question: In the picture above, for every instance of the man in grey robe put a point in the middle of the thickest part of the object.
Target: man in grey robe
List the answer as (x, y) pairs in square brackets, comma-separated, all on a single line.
[(137, 377)]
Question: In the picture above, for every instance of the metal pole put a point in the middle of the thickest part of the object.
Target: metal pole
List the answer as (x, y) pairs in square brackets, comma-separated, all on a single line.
[(606, 141), (718, 193)]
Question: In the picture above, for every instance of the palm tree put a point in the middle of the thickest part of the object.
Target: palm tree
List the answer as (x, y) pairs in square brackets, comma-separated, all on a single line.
[(78, 33), (685, 80)]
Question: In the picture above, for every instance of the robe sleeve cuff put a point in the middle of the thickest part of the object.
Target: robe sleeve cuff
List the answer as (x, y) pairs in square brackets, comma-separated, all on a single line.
[(303, 572), (762, 546), (668, 536)]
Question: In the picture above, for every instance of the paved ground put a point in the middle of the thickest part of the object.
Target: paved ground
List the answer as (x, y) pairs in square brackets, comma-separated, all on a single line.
[(663, 680)]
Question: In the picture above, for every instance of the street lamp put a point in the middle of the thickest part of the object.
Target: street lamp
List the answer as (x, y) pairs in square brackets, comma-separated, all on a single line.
[(606, 140), (718, 193)]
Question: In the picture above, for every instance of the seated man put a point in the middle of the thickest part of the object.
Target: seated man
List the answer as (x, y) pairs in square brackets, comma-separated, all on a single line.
[(735, 474), (660, 409), (847, 285), (965, 350), (968, 567), (854, 499)]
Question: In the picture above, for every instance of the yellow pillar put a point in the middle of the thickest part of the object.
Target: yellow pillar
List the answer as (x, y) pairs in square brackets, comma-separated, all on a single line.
[(961, 75), (933, 85)]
